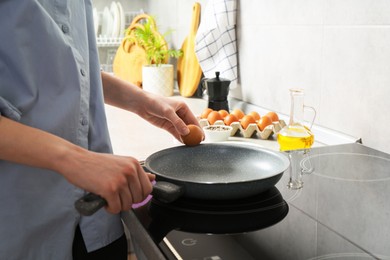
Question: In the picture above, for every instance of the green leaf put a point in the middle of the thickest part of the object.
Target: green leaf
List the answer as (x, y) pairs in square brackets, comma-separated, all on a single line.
[(154, 44)]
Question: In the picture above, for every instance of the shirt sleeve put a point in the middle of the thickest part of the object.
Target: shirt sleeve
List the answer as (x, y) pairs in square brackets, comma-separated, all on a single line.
[(8, 110)]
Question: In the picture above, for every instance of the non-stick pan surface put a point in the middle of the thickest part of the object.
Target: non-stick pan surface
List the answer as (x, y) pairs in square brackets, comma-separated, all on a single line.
[(219, 170)]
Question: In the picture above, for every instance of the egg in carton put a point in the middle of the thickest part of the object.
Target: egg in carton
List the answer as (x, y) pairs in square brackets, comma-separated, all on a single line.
[(253, 129), (269, 130)]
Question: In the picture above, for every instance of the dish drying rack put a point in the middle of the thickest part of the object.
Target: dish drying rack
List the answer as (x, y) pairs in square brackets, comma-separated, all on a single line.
[(105, 41)]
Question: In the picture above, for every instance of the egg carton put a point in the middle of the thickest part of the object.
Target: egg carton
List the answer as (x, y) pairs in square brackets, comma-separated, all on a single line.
[(251, 130)]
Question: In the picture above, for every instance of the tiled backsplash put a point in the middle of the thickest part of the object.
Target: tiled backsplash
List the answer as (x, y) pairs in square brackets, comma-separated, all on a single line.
[(337, 50)]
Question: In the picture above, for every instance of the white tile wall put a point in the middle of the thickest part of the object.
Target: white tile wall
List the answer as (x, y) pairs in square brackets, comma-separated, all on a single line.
[(356, 12), (277, 58), (341, 62), (281, 12), (337, 50)]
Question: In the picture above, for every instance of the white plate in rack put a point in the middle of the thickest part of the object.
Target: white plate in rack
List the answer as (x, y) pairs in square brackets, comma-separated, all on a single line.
[(122, 19), (96, 21), (107, 23), (116, 20)]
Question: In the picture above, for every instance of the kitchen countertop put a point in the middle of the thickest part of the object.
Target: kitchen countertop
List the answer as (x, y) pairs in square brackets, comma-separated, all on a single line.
[(133, 136)]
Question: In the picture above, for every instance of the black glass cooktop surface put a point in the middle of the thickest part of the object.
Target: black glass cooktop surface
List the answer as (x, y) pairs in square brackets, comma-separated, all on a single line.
[(342, 212)]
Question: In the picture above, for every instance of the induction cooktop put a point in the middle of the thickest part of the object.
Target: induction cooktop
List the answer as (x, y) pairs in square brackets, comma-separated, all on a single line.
[(342, 212)]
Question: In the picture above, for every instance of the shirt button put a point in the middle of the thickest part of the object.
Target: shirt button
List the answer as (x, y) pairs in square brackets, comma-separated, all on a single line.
[(84, 121), (65, 28), (83, 72)]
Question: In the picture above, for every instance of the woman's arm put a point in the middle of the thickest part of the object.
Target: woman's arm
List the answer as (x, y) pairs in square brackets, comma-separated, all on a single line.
[(164, 112), (120, 180), (27, 145)]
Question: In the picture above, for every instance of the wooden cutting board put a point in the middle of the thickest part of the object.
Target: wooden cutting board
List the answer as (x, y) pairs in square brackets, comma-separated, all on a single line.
[(131, 57), (128, 63), (189, 71)]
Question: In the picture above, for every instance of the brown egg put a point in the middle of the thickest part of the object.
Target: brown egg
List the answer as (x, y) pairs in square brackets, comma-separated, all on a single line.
[(213, 117), (194, 137), (246, 120), (238, 113), (264, 122), (255, 115), (205, 113), (223, 113), (229, 119), (274, 117)]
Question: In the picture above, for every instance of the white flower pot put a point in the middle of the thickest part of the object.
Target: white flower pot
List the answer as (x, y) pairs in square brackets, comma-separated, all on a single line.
[(158, 79)]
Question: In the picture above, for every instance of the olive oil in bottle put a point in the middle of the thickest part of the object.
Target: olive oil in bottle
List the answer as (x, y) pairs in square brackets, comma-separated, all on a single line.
[(295, 137)]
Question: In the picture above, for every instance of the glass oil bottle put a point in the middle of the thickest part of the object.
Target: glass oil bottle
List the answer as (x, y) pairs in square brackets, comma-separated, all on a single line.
[(296, 135)]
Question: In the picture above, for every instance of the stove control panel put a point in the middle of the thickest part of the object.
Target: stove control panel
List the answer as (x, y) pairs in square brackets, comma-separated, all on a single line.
[(183, 245)]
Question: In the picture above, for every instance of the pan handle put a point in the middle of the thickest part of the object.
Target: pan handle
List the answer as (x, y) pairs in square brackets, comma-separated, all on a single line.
[(164, 191)]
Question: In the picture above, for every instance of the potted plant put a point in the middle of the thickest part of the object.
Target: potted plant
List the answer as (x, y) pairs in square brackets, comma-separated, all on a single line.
[(157, 74)]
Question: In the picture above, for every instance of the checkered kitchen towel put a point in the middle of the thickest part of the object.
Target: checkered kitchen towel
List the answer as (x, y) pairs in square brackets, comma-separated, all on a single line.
[(215, 43)]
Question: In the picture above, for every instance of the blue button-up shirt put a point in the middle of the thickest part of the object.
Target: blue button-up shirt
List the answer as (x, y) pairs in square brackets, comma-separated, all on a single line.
[(50, 79)]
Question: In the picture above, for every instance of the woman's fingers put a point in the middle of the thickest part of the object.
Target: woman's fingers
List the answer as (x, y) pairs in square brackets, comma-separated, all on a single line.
[(137, 187)]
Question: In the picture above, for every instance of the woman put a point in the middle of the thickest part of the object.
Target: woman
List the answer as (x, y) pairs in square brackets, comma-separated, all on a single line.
[(54, 142)]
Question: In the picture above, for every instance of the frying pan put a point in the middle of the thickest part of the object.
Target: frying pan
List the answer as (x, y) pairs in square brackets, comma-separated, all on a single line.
[(212, 171)]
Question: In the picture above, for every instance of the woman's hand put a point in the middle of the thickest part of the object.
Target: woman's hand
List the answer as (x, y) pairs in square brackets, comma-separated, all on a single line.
[(120, 180), (165, 112)]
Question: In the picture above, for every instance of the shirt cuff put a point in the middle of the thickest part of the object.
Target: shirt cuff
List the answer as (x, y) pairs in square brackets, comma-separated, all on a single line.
[(8, 110)]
